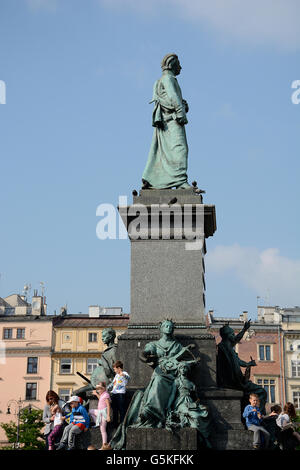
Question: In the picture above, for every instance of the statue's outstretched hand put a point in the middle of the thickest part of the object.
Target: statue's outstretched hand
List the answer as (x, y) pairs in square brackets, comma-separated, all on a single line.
[(247, 325), (252, 363)]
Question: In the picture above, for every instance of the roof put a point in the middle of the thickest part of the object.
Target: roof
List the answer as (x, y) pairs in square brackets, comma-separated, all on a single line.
[(291, 332), (3, 303), (77, 321), (235, 323), (15, 300), (24, 318)]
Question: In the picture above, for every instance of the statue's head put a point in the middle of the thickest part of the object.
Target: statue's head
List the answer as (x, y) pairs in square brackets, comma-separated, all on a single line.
[(108, 335), (226, 332), (167, 326), (171, 62), (184, 368)]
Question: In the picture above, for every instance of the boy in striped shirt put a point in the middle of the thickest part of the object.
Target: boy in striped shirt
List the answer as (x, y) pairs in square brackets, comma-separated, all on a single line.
[(79, 422)]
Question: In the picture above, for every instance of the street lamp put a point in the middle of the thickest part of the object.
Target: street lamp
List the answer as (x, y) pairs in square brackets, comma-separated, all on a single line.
[(17, 408)]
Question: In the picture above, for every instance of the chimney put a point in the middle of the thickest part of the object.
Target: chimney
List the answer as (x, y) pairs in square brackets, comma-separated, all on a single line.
[(94, 311), (44, 306), (37, 305), (244, 316), (209, 317)]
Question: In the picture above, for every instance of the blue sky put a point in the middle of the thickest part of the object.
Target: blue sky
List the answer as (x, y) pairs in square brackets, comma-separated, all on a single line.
[(76, 131)]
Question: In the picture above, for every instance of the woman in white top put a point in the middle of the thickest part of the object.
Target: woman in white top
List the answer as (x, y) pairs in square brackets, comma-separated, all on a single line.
[(284, 420)]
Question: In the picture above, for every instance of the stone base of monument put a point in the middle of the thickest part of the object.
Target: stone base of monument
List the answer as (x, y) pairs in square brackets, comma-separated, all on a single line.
[(161, 439), (83, 440), (186, 439), (233, 440), (227, 429)]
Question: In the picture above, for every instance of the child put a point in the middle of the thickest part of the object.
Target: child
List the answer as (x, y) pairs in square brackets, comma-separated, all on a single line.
[(103, 411), (58, 420), (284, 420), (118, 392), (253, 421), (269, 423), (79, 422)]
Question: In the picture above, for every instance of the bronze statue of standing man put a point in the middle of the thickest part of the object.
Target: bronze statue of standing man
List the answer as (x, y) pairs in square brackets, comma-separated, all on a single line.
[(167, 161)]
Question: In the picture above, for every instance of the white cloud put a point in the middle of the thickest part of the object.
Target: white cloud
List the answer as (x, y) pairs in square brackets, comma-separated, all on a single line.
[(258, 22), (265, 272)]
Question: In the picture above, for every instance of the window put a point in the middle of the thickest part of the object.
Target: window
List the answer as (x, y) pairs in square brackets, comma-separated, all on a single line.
[(91, 364), (7, 333), (264, 352), (32, 363), (65, 366), (269, 386), (20, 333), (9, 311), (64, 394), (296, 399), (295, 368), (93, 337), (31, 388)]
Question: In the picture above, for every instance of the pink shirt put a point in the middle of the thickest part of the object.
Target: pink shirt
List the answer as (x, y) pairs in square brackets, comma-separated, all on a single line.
[(102, 400)]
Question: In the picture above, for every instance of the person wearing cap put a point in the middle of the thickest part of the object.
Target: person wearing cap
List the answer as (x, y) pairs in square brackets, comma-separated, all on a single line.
[(79, 422)]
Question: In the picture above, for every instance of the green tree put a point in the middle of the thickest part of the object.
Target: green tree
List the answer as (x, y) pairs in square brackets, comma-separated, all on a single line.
[(30, 425)]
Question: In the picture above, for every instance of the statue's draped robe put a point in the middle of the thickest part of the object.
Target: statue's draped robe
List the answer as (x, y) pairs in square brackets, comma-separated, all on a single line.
[(160, 392), (167, 160), (191, 412), (157, 399)]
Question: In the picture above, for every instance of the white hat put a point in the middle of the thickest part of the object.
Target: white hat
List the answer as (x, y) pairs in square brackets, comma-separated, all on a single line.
[(74, 398)]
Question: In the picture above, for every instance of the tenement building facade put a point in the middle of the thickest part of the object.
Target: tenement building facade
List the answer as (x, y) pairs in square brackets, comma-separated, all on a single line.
[(263, 343), (39, 352), (25, 355), (77, 346)]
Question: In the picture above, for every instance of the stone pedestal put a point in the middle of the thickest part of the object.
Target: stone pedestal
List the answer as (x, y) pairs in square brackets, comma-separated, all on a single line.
[(225, 408), (167, 231), (161, 439)]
